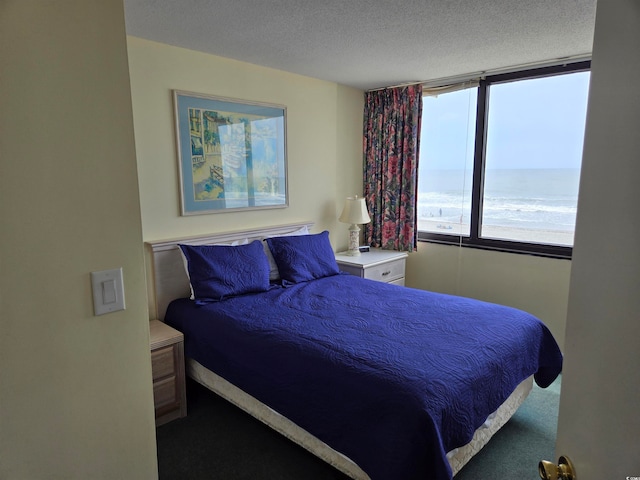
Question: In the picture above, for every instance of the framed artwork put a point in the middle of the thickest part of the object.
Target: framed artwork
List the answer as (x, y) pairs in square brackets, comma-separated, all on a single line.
[(232, 154)]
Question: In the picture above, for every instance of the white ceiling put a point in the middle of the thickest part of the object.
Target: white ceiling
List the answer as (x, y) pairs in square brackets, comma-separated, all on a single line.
[(372, 43)]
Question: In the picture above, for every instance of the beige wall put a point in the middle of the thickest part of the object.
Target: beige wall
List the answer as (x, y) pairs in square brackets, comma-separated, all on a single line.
[(599, 420), (323, 139), (535, 284), (75, 389)]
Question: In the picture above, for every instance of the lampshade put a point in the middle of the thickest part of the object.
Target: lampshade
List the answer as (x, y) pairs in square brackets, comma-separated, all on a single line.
[(355, 211)]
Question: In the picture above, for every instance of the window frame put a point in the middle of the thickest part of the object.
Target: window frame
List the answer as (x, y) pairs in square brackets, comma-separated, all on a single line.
[(474, 240)]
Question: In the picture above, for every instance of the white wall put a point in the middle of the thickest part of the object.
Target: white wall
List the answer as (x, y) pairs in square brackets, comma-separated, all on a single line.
[(599, 421), (75, 389)]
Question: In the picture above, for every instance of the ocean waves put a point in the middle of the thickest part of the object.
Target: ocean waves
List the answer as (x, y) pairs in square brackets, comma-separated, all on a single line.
[(525, 199)]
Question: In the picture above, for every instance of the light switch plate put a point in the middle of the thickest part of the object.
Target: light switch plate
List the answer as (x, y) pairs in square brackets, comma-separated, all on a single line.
[(108, 291)]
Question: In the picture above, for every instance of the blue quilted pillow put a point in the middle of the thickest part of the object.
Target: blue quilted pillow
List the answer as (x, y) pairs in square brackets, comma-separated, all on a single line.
[(220, 271), (304, 257)]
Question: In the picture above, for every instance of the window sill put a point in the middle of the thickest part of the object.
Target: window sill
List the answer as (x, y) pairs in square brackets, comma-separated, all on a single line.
[(504, 246)]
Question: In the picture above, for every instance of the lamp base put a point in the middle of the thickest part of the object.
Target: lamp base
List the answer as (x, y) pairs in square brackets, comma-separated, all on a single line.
[(354, 241)]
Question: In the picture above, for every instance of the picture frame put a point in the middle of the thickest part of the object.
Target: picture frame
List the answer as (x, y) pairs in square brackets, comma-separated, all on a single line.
[(232, 154)]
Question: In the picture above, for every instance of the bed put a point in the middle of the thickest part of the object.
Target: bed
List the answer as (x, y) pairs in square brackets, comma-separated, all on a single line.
[(379, 380)]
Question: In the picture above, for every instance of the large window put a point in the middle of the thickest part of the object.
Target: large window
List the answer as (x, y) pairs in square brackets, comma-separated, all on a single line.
[(500, 161)]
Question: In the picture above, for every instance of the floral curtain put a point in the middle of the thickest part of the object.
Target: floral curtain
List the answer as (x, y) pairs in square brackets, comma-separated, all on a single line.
[(392, 120)]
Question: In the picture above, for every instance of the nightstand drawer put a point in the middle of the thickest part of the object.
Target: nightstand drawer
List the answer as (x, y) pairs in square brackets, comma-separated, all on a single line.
[(167, 367), (163, 362), (386, 266), (386, 272), (164, 394)]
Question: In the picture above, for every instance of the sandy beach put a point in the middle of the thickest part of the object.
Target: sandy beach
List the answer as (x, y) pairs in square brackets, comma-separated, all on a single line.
[(551, 237)]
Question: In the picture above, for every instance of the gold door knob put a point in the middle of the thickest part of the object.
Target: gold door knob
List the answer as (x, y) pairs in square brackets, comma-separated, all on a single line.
[(563, 471)]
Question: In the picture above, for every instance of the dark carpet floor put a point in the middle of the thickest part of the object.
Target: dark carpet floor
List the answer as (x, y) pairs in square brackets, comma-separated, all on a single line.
[(218, 441), (528, 437)]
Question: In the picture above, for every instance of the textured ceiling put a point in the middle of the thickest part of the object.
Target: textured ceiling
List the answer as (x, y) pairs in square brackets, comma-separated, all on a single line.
[(375, 43)]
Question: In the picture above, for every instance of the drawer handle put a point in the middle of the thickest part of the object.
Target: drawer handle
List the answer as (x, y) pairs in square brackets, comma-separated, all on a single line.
[(384, 274)]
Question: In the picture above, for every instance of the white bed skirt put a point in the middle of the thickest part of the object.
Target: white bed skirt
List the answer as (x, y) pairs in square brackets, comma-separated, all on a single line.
[(457, 458)]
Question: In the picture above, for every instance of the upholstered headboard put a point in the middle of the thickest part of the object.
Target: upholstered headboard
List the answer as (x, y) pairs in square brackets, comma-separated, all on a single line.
[(169, 278)]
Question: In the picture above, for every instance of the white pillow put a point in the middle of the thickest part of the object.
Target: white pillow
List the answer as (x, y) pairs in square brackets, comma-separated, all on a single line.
[(274, 274), (244, 241)]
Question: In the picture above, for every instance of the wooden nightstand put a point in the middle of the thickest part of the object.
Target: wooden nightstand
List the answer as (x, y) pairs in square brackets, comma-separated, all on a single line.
[(380, 265), (167, 365)]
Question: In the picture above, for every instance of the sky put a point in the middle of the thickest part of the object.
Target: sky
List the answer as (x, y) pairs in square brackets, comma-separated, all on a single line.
[(536, 123)]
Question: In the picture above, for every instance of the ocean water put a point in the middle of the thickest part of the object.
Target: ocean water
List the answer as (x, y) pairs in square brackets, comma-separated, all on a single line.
[(531, 199)]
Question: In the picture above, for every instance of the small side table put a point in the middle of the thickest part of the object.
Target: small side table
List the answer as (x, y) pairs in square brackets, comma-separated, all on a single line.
[(167, 365), (381, 265)]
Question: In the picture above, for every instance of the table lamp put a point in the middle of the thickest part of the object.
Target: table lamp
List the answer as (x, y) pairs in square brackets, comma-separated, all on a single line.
[(355, 212)]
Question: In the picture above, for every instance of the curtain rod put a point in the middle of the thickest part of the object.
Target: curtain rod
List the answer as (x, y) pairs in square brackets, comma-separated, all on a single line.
[(439, 82)]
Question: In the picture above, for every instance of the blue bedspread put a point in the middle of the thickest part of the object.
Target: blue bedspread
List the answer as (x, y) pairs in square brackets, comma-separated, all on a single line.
[(390, 376)]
